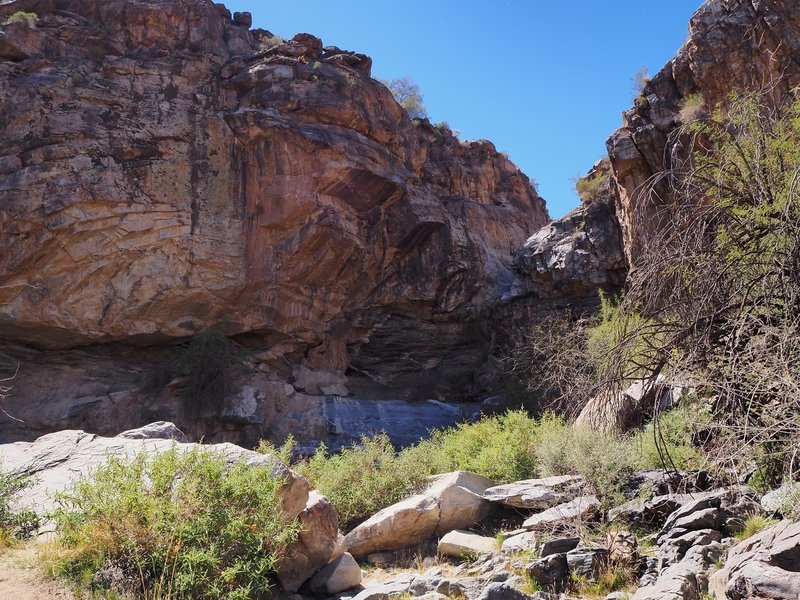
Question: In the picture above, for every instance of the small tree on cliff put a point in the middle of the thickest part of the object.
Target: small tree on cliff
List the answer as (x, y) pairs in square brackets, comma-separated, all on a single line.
[(407, 94)]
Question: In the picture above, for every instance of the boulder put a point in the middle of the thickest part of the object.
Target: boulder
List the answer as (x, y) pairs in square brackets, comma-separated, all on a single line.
[(459, 543), (341, 574), (586, 562), (766, 565), (581, 508), (450, 501), (780, 499), (724, 509), (160, 430), (535, 493), (55, 461), (559, 546), (502, 591), (521, 542), (686, 580), (550, 572), (316, 545)]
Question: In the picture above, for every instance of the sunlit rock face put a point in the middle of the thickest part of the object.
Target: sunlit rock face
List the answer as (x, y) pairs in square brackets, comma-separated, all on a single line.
[(732, 46), (163, 169)]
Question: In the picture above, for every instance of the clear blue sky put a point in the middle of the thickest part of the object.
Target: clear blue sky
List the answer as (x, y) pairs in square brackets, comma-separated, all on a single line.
[(546, 81)]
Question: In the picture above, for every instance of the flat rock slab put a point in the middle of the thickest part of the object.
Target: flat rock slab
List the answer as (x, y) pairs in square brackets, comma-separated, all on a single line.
[(581, 508), (535, 493), (521, 542), (458, 543)]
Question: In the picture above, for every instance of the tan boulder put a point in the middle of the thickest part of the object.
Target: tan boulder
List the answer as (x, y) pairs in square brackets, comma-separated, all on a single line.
[(459, 543), (579, 509), (450, 501)]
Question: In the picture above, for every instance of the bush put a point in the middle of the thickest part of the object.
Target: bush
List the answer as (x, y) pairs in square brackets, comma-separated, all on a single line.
[(668, 442), (14, 524), (180, 524), (407, 94), (604, 460), (265, 42), (360, 481), (26, 18), (592, 188), (691, 109)]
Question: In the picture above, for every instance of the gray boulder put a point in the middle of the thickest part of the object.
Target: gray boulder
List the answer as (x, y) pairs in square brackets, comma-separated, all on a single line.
[(535, 493), (766, 565), (337, 576), (160, 430), (582, 508)]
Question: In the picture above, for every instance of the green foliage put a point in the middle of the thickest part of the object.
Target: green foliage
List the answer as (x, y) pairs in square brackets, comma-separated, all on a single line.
[(591, 188), (25, 18), (671, 437), (499, 447), (14, 524), (407, 94), (604, 460), (360, 481), (753, 525), (266, 42), (180, 524), (692, 109)]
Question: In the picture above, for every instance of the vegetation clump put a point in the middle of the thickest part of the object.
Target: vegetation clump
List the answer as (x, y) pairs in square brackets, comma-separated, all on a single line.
[(14, 524), (179, 524), (28, 19), (407, 94)]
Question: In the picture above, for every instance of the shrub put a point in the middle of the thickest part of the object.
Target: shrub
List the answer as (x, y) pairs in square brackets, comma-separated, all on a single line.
[(14, 524), (407, 94), (753, 525), (25, 18), (691, 109), (180, 524), (670, 439), (265, 42), (499, 447), (604, 460), (591, 188), (360, 481)]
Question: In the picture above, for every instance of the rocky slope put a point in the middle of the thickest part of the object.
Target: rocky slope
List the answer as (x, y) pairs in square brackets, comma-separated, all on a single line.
[(164, 168)]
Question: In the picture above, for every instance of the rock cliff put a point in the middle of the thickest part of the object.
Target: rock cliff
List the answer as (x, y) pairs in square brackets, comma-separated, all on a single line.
[(733, 45), (164, 168)]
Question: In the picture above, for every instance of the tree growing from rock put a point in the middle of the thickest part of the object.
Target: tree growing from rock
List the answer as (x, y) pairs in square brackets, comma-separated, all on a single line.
[(407, 94)]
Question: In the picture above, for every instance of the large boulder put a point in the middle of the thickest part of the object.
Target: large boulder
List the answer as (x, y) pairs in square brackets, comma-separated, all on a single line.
[(766, 565), (55, 461), (450, 501), (459, 543)]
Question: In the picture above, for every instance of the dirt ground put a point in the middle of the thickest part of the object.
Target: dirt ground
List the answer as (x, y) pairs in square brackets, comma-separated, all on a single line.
[(21, 579)]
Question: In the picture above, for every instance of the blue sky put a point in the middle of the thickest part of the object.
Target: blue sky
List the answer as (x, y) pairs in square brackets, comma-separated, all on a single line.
[(546, 81)]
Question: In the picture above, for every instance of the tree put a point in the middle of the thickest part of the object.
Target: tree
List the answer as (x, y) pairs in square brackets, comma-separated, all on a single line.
[(407, 94)]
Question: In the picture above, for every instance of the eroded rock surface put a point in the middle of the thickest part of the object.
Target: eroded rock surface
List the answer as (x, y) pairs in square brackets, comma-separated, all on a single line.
[(162, 170)]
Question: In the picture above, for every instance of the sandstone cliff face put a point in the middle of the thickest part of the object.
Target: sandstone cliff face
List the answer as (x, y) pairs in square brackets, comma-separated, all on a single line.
[(161, 170), (733, 45)]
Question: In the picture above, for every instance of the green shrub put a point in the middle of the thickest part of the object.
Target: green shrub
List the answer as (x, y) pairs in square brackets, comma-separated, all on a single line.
[(592, 188), (26, 18), (14, 524), (691, 109), (500, 447), (180, 524), (675, 430), (265, 42), (361, 480), (604, 460)]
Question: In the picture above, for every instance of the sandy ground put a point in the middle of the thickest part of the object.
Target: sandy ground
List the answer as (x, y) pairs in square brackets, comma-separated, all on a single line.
[(21, 579)]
